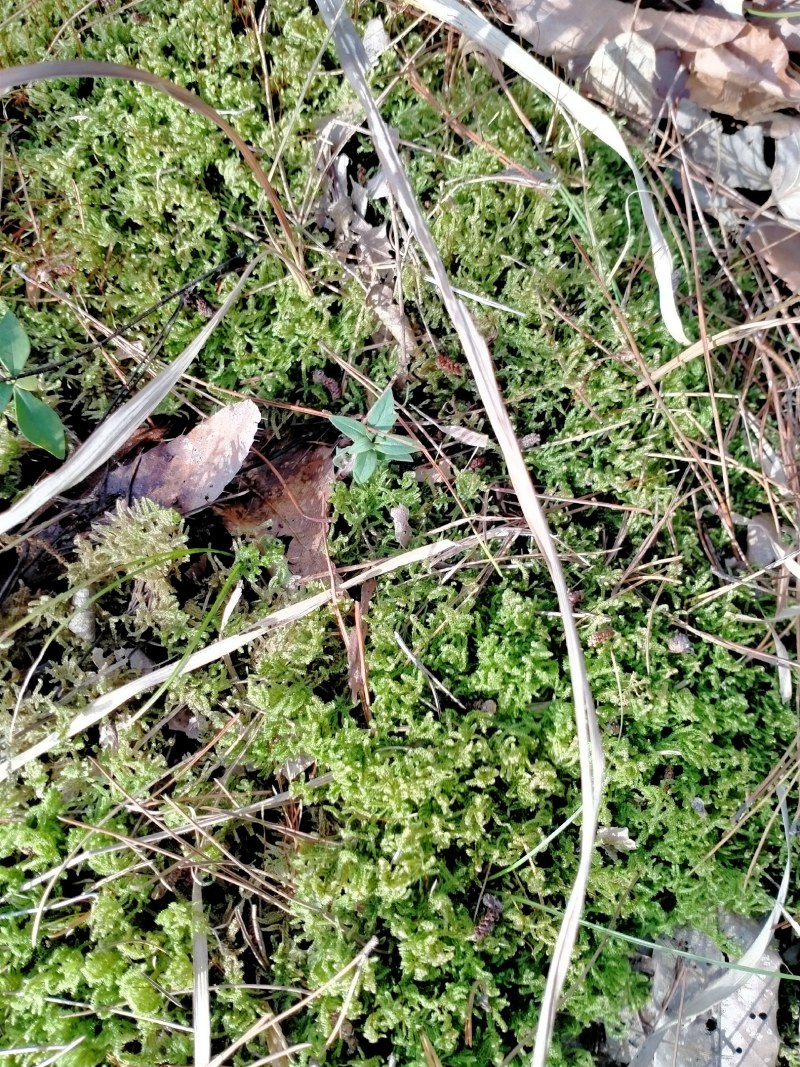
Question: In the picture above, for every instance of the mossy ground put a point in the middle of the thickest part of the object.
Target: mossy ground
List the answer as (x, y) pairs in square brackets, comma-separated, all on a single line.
[(426, 808)]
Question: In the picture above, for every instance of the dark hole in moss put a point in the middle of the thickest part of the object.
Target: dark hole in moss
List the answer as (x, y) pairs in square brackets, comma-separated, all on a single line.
[(711, 1025), (666, 899)]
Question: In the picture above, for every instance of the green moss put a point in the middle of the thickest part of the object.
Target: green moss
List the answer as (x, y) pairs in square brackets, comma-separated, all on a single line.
[(432, 801)]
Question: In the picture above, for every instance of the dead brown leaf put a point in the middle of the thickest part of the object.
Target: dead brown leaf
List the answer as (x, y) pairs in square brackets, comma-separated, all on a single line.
[(191, 471), (561, 29), (747, 77), (779, 247), (288, 498)]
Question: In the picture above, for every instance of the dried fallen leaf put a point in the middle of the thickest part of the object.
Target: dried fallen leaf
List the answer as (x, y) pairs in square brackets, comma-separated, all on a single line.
[(288, 498), (560, 28), (629, 75), (190, 472), (83, 622), (615, 839), (786, 176), (740, 1029), (747, 77), (395, 321), (376, 40), (679, 644), (402, 528), (779, 247), (762, 541), (735, 160)]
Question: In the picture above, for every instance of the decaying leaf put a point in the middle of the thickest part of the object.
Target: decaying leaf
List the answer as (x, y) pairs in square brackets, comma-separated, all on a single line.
[(779, 247), (738, 1031), (294, 766), (83, 622), (560, 28), (628, 74), (735, 160), (762, 452), (190, 472), (679, 644), (376, 40), (747, 77), (786, 176), (762, 541), (288, 497), (395, 321), (356, 661), (402, 528)]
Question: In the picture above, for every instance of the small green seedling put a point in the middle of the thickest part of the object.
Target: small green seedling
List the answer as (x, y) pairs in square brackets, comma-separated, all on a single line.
[(371, 439), (36, 421)]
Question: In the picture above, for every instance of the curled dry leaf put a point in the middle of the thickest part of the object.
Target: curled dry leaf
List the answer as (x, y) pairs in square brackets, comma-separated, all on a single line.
[(560, 28), (288, 497), (615, 839), (747, 77), (190, 472)]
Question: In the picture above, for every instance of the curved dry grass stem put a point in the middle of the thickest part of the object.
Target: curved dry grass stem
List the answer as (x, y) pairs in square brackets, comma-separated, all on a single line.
[(100, 708), (354, 61), (586, 114), (13, 77)]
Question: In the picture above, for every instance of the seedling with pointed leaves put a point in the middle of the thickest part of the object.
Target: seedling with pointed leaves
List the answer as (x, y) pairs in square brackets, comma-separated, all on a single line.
[(372, 441), (36, 420)]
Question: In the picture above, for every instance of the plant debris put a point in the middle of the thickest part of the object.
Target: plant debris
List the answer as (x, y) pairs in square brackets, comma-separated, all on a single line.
[(288, 497), (190, 471)]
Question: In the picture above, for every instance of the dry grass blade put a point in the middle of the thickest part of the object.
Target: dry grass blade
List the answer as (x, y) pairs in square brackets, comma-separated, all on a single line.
[(13, 77), (107, 438), (586, 114), (431, 1056), (269, 1019), (717, 340), (98, 709), (201, 1009), (354, 61)]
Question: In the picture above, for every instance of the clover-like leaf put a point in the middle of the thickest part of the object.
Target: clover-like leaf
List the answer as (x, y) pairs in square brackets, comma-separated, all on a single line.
[(14, 344), (399, 448), (351, 427), (39, 423), (364, 466), (382, 416), (6, 392)]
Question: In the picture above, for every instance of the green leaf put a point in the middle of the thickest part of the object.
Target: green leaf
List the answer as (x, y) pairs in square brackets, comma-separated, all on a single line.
[(364, 466), (402, 448), (39, 423), (14, 344), (363, 444), (352, 427), (6, 390), (381, 416)]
